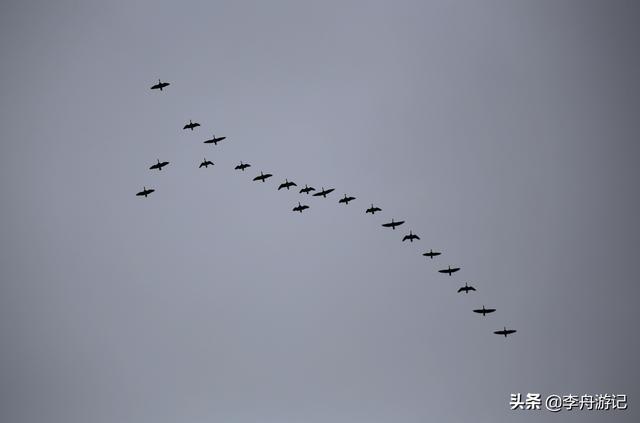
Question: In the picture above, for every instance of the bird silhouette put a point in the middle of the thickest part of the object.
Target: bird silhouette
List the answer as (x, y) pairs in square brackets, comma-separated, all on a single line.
[(205, 163), (262, 177), (466, 288), (191, 125), (159, 165), (505, 332), (300, 208), (431, 254), (287, 184), (410, 237), (215, 140), (324, 192), (145, 192), (393, 224), (450, 270), (346, 199), (160, 85), (242, 166), (484, 311), (307, 190), (373, 209)]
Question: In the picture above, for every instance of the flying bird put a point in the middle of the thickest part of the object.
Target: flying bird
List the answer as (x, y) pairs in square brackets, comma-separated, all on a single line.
[(484, 311), (242, 166), (159, 165), (214, 140), (466, 288), (410, 237), (324, 192), (393, 224), (145, 192), (299, 207), (307, 190), (346, 199), (431, 254), (262, 177), (505, 332), (160, 85), (191, 125), (450, 270), (373, 209), (287, 184), (205, 163)]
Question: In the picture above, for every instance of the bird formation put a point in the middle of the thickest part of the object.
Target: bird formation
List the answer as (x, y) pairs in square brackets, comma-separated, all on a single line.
[(262, 177)]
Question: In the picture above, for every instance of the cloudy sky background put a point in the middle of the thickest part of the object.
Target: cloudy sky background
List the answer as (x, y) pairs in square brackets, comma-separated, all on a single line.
[(504, 133)]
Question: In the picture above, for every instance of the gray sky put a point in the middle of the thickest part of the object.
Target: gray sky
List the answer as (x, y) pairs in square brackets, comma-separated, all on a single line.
[(504, 133)]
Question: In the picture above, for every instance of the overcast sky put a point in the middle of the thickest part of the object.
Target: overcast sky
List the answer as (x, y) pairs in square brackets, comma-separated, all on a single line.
[(504, 133)]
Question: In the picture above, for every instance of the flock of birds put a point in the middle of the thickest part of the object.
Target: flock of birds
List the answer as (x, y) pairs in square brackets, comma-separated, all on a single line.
[(262, 177)]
